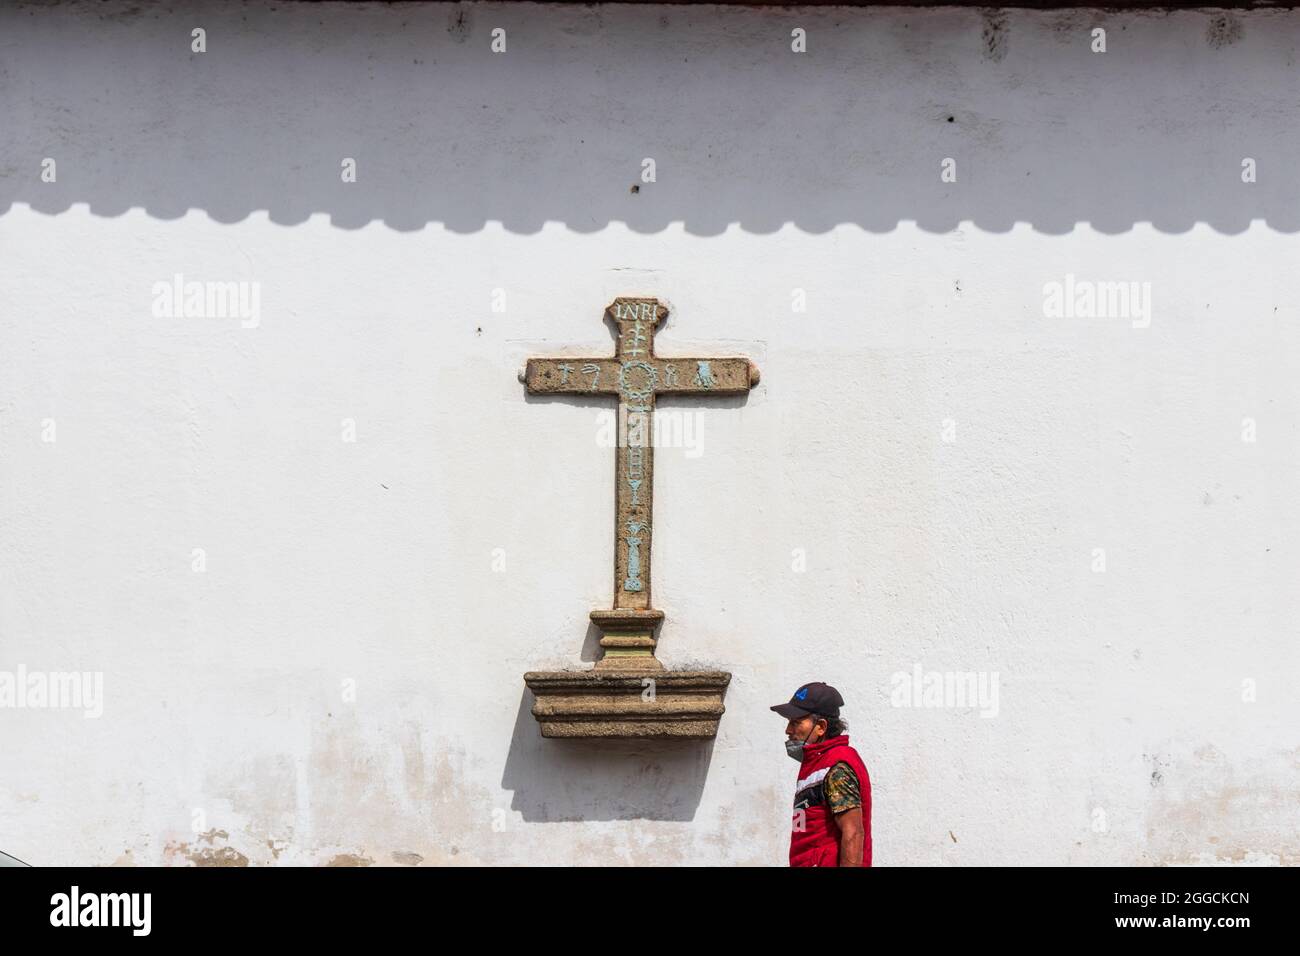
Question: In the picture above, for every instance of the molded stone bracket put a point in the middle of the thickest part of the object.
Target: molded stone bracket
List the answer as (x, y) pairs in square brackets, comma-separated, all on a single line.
[(619, 703)]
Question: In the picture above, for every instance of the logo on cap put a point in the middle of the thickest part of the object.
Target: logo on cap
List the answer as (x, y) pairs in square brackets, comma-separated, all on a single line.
[(801, 693)]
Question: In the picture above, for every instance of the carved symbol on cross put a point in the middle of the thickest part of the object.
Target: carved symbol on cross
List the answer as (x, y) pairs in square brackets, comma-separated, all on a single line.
[(636, 378), (633, 580)]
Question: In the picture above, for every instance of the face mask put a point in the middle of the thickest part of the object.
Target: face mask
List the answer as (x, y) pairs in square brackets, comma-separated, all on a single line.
[(794, 748)]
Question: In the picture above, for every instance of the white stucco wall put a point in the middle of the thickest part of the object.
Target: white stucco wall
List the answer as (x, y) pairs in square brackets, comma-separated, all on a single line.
[(1121, 733)]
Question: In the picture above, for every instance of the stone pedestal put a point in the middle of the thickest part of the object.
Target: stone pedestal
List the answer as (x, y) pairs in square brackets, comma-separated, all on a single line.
[(628, 693), (628, 638)]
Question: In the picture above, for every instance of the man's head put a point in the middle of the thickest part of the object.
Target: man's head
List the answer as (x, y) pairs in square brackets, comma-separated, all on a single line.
[(813, 713)]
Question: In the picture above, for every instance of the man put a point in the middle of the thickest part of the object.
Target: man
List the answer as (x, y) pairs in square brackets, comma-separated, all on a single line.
[(832, 800)]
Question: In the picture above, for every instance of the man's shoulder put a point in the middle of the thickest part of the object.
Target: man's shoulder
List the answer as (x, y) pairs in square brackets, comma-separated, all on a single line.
[(851, 765), (841, 750)]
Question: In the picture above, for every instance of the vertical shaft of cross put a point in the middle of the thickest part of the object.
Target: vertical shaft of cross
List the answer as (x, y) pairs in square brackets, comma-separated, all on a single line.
[(634, 465), (634, 472)]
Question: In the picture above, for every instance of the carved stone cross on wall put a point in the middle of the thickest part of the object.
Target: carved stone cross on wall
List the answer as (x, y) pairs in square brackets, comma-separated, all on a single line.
[(636, 377)]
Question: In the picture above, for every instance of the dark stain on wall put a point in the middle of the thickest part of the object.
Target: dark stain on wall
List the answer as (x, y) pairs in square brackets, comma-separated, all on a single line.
[(1223, 30), (460, 24), (995, 35)]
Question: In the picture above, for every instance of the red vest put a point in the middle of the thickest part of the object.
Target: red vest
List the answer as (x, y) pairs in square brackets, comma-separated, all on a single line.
[(814, 835)]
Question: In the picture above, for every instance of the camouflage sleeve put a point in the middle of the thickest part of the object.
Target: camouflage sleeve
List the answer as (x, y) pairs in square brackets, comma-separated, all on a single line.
[(842, 792)]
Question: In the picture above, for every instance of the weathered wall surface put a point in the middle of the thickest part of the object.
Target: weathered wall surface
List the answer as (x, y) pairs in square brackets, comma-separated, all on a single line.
[(937, 471)]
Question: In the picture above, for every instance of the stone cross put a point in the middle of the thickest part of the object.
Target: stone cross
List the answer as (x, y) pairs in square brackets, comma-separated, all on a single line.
[(636, 377)]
